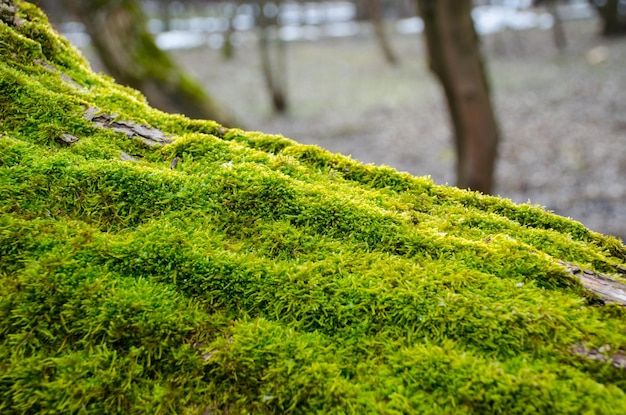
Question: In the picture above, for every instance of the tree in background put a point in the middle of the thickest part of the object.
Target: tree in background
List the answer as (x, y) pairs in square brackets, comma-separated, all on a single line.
[(230, 12), (455, 58), (376, 16), (613, 14), (273, 55), (558, 32), (129, 53)]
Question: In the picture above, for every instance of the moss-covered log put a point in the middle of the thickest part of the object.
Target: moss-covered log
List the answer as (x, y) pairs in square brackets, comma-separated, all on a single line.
[(154, 264), (119, 33)]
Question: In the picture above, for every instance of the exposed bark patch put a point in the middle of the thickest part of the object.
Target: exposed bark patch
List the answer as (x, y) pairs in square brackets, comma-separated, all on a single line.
[(8, 13), (67, 139), (127, 157), (64, 77), (607, 288), (148, 135)]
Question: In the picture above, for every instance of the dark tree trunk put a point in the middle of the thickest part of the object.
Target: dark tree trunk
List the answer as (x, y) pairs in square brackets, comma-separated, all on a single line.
[(613, 17), (376, 17), (455, 59), (118, 31), (273, 63)]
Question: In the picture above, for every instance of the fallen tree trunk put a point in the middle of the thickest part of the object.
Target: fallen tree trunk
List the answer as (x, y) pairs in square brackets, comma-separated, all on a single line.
[(150, 263), (129, 53)]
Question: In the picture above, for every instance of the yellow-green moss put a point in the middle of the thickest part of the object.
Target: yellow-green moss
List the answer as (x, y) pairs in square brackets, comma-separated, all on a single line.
[(265, 276)]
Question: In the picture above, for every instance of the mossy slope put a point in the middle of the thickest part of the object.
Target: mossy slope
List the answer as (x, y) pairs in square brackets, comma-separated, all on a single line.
[(264, 276)]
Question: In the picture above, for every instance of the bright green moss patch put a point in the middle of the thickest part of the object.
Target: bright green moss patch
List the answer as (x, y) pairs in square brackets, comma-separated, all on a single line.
[(237, 272)]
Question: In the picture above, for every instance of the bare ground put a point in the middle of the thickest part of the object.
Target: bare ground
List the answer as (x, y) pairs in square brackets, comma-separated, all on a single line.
[(562, 116)]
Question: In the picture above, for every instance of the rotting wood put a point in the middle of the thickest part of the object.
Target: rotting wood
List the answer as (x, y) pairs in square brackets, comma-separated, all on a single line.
[(148, 135), (456, 60), (607, 288)]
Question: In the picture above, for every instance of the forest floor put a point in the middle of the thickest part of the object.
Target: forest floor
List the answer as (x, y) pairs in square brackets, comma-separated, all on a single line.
[(562, 115)]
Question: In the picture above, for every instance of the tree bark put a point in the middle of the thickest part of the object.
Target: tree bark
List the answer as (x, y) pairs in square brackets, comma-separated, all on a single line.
[(455, 58), (128, 52)]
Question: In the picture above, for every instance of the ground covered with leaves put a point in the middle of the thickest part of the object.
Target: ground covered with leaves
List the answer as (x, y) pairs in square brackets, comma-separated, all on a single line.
[(154, 264)]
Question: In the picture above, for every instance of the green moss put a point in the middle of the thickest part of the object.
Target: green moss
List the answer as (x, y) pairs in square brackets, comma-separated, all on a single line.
[(264, 276)]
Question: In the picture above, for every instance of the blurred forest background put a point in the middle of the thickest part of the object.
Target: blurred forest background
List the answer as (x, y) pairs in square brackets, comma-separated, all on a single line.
[(395, 82)]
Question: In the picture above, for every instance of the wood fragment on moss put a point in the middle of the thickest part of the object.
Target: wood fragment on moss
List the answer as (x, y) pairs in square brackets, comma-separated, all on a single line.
[(126, 157), (67, 138), (607, 288), (64, 77), (148, 135)]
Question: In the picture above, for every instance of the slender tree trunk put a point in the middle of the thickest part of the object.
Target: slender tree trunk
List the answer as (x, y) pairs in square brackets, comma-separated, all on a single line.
[(455, 59), (118, 31), (558, 32), (376, 18), (273, 65), (228, 49), (166, 15)]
